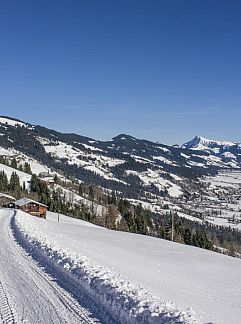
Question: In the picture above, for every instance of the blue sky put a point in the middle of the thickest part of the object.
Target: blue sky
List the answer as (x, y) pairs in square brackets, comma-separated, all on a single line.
[(161, 70)]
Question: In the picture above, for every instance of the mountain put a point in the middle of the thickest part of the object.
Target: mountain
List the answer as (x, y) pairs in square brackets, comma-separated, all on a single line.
[(226, 151), (90, 179), (134, 167)]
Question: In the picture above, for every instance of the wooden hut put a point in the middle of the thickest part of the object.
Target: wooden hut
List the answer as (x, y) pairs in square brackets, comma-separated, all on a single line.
[(31, 207), (6, 200)]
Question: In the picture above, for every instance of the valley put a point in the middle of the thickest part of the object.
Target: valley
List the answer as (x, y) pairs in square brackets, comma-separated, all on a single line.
[(198, 184)]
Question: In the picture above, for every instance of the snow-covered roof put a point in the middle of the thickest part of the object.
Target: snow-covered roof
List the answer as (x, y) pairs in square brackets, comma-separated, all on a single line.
[(7, 196), (24, 201)]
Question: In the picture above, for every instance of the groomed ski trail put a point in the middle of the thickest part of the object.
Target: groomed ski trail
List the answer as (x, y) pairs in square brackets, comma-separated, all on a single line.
[(27, 293)]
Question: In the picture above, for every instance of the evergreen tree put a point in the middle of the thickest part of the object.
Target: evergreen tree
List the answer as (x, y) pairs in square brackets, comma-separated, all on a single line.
[(27, 168), (14, 183), (14, 163), (3, 181)]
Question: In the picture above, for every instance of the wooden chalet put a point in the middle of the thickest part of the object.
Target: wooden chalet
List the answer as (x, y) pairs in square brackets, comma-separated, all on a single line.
[(6, 200), (32, 207)]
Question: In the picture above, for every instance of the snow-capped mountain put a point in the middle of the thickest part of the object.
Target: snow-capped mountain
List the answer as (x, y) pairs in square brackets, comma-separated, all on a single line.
[(134, 167), (226, 151)]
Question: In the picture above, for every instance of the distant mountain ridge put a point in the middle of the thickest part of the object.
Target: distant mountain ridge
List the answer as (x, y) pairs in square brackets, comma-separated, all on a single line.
[(227, 151), (134, 167), (199, 141)]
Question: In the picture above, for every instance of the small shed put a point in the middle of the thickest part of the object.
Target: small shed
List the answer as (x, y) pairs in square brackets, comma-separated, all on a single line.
[(6, 200), (31, 207)]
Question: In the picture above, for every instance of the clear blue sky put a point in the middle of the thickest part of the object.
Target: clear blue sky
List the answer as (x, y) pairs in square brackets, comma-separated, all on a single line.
[(161, 70)]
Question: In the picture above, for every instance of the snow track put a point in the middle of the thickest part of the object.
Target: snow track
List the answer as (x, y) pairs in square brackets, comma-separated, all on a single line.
[(6, 313), (27, 293), (111, 298)]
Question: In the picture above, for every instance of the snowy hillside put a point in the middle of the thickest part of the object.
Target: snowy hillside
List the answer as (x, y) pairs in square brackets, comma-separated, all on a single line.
[(111, 266), (157, 176), (132, 166), (23, 177), (228, 152), (21, 158)]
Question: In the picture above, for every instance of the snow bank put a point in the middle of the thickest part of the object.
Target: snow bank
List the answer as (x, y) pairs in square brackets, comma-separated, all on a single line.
[(122, 300)]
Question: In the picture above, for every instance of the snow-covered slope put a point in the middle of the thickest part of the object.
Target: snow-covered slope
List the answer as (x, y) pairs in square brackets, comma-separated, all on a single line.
[(10, 121), (116, 264), (201, 143), (23, 177), (158, 175), (227, 152), (29, 295), (125, 163)]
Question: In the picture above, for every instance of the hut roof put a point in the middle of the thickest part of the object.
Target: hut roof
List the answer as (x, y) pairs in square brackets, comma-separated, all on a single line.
[(24, 201), (7, 196)]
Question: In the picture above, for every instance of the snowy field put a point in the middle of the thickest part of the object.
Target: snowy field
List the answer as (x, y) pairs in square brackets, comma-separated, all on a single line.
[(138, 279), (225, 179)]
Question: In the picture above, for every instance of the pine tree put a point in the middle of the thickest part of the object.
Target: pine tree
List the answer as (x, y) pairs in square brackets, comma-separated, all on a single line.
[(14, 163), (34, 184), (27, 168), (3, 181), (14, 183)]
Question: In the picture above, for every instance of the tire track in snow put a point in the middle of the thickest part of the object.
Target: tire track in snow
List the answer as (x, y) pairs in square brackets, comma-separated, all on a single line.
[(37, 298), (69, 297), (68, 302), (6, 312), (66, 299)]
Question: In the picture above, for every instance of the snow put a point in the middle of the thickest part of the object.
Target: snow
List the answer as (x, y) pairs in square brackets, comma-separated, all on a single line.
[(134, 275), (141, 159), (216, 161), (214, 149), (23, 177), (11, 122), (5, 152), (223, 221), (63, 245), (225, 179), (28, 292), (162, 159), (102, 172), (164, 149), (92, 148), (175, 190), (176, 177), (98, 164), (73, 198), (184, 155), (229, 155), (202, 165), (154, 177), (36, 167), (131, 172), (194, 219), (21, 158), (202, 143), (145, 205)]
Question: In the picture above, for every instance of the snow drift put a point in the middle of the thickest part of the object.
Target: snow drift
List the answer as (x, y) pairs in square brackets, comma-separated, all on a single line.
[(122, 300)]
